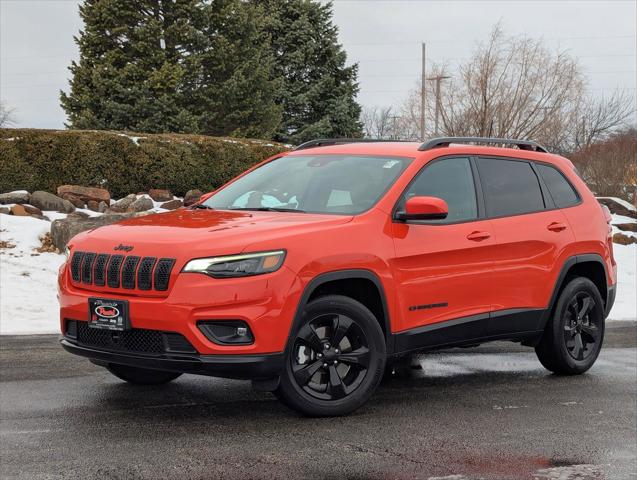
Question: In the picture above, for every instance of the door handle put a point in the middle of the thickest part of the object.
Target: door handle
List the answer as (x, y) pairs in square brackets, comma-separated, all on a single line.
[(478, 236), (556, 226)]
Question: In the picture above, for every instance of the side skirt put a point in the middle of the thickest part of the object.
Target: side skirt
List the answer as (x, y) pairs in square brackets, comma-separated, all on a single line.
[(521, 324)]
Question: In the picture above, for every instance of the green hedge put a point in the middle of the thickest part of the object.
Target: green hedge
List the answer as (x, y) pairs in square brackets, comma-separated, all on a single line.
[(44, 159)]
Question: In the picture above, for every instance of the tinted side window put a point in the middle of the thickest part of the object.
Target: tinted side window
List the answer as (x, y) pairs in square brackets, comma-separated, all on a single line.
[(452, 180), (510, 187), (563, 193)]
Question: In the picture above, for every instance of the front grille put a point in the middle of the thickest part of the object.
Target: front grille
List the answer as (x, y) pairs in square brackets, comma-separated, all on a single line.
[(137, 340), (145, 273)]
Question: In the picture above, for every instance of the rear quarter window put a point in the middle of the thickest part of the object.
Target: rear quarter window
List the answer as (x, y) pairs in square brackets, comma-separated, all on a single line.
[(561, 190), (510, 187)]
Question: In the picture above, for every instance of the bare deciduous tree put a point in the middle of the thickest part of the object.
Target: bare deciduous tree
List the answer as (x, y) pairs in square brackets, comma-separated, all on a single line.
[(7, 117), (515, 87), (610, 166)]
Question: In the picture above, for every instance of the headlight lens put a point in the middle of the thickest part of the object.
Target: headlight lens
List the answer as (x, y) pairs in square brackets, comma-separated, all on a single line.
[(67, 252), (241, 265)]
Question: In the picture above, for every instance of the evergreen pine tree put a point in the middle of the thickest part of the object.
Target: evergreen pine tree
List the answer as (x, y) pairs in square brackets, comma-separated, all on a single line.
[(318, 94), (173, 66)]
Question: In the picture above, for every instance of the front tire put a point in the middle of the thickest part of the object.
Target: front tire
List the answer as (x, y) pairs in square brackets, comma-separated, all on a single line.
[(335, 359), (141, 376), (574, 335)]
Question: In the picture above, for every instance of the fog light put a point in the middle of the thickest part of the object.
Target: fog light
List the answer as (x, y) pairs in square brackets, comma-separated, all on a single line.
[(227, 332)]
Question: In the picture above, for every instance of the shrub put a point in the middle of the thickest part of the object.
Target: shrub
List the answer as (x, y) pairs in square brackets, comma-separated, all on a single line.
[(123, 162)]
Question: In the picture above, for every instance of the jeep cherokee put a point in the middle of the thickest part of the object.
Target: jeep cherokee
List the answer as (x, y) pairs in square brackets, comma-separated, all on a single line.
[(311, 272)]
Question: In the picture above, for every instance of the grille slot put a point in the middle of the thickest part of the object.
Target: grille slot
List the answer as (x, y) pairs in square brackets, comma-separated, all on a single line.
[(99, 270), (87, 268), (114, 267), (128, 272), (120, 271), (137, 340), (162, 273), (145, 273), (76, 262)]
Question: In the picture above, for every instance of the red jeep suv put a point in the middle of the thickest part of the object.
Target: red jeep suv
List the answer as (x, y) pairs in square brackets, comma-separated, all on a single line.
[(315, 269)]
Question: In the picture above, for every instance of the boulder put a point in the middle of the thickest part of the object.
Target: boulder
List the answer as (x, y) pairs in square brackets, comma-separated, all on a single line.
[(624, 239), (617, 208), (19, 211), (102, 207), (123, 205), (141, 204), (160, 195), (31, 210), (63, 230), (85, 193), (93, 205), (192, 196), (78, 215), (75, 200), (48, 201), (5, 210), (15, 197), (627, 227), (172, 205)]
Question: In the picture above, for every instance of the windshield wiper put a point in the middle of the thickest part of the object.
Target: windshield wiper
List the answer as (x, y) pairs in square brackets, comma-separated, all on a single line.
[(270, 209), (202, 206)]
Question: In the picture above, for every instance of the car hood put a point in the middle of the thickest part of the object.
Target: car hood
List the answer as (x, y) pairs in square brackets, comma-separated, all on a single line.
[(193, 232)]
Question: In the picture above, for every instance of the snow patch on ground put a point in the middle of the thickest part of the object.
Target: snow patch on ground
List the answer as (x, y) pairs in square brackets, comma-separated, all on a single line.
[(28, 280), (625, 307)]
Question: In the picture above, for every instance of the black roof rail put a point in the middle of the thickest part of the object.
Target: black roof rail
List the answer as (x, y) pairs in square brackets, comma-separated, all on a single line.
[(322, 142), (445, 141)]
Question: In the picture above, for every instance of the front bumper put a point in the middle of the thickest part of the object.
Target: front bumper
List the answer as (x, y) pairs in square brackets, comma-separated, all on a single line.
[(254, 367), (267, 303)]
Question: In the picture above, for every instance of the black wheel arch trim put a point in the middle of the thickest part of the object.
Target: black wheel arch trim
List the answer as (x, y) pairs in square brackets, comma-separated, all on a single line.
[(568, 264), (348, 274)]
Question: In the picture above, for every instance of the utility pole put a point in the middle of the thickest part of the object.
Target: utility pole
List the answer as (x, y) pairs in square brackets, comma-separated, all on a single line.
[(438, 79), (423, 89)]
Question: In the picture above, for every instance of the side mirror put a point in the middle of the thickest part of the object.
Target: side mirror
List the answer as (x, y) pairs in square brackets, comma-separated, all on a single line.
[(424, 208)]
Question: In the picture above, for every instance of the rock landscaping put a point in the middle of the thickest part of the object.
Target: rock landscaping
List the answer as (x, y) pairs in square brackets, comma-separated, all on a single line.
[(76, 208)]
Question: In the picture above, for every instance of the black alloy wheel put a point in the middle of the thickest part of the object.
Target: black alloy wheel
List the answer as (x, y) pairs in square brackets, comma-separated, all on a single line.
[(331, 356), (335, 358), (574, 334), (581, 334)]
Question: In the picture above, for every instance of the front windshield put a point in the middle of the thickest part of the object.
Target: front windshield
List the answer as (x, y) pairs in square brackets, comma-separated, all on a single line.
[(345, 184)]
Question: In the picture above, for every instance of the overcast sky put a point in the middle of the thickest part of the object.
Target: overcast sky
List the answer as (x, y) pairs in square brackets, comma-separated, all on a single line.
[(383, 36)]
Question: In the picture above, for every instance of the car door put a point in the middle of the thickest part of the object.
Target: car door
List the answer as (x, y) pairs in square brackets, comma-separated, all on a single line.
[(444, 268), (531, 236)]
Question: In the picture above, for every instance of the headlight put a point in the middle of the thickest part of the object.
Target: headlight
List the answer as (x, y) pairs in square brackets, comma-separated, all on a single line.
[(241, 265), (67, 252)]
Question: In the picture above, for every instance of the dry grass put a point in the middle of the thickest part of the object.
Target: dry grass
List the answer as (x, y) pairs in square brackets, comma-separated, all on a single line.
[(47, 245), (5, 244)]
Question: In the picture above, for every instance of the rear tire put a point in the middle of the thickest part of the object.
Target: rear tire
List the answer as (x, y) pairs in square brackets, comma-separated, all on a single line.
[(335, 358), (574, 334), (141, 376)]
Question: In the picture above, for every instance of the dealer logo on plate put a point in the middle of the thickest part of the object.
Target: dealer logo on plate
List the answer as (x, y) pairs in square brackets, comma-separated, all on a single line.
[(107, 312)]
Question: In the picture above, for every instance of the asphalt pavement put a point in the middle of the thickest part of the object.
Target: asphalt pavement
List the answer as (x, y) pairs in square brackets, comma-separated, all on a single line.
[(491, 412)]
